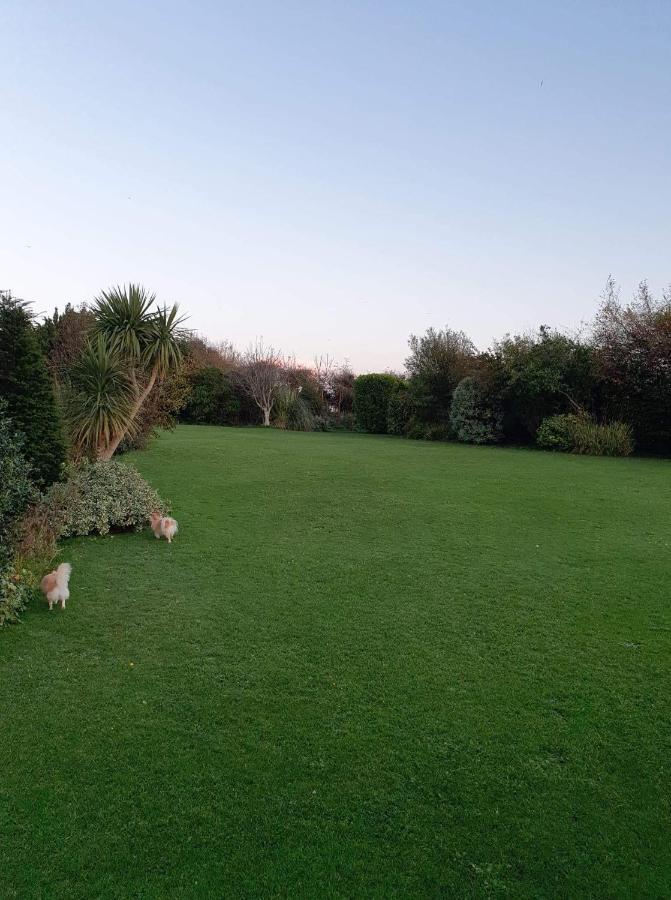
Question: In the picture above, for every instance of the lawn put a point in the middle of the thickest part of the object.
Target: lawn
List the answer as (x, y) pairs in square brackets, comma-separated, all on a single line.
[(365, 667)]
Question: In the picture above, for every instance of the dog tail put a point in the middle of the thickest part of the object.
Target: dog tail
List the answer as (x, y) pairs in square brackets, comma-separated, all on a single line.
[(63, 576)]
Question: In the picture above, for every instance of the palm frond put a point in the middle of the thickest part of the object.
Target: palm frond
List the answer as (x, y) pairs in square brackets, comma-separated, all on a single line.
[(163, 348), (103, 396), (123, 317)]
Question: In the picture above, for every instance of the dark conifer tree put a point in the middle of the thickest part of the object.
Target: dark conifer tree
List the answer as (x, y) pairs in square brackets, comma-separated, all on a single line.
[(26, 386)]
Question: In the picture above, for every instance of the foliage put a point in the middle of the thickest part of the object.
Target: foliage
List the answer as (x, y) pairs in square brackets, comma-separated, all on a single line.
[(15, 591), (633, 362), (63, 337), (556, 433), (341, 391), (437, 362), (476, 416), (102, 496), (343, 422), (292, 412), (580, 434), (371, 400), (336, 384), (427, 431), (16, 487), (544, 374), (160, 410), (26, 387), (213, 398), (346, 421), (607, 439), (17, 491), (203, 354), (37, 532), (102, 397), (135, 345), (304, 380), (400, 410)]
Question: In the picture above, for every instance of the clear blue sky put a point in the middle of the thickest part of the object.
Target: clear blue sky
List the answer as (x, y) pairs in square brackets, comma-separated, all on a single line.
[(333, 176)]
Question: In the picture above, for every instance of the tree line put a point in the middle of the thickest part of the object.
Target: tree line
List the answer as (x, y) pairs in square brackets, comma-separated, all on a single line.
[(103, 377), (608, 391)]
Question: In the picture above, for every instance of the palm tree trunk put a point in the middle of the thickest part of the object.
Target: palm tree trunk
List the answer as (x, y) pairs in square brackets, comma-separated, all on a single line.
[(107, 452)]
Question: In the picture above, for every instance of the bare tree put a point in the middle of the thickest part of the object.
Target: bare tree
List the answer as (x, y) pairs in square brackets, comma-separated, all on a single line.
[(262, 375)]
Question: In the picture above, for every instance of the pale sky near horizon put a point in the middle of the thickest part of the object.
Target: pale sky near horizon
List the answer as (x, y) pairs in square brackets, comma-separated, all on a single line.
[(333, 176)]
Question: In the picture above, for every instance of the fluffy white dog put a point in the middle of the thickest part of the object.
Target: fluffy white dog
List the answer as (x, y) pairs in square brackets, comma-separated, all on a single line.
[(55, 585), (163, 526)]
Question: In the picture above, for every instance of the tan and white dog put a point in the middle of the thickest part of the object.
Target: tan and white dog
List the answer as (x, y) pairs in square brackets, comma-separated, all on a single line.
[(163, 526), (55, 585)]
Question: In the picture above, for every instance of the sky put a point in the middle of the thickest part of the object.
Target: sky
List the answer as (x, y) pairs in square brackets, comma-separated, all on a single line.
[(334, 176)]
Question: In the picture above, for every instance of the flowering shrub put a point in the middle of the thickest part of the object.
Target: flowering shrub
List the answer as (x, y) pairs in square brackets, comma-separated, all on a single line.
[(102, 496)]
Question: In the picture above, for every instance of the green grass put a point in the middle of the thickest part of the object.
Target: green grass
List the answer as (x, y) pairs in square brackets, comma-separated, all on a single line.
[(366, 667)]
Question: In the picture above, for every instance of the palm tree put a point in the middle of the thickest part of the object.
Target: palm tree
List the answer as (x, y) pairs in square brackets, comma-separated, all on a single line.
[(102, 398), (134, 344)]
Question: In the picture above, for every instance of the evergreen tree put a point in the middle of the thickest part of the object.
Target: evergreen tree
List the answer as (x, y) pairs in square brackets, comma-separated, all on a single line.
[(26, 387)]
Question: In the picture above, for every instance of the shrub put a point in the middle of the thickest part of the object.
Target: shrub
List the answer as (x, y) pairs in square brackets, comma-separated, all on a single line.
[(159, 411), (371, 400), (543, 374), (102, 496), (15, 592), (292, 412), (26, 386), (476, 416), (312, 394), (400, 411), (436, 431), (62, 338), (213, 398), (342, 422), (632, 345), (556, 433), (16, 488), (437, 362), (427, 431), (580, 434), (609, 439), (37, 532), (340, 391)]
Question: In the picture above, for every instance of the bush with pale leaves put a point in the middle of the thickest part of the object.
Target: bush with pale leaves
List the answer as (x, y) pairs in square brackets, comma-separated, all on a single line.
[(103, 496)]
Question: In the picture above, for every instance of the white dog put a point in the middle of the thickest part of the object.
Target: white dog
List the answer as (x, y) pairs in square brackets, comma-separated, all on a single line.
[(163, 526), (55, 585)]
